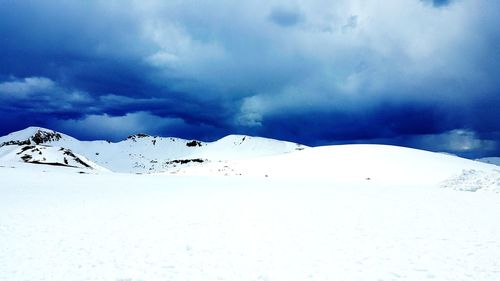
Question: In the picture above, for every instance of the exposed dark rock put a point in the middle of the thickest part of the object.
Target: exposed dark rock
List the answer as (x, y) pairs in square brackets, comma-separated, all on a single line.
[(52, 164), (15, 142), (193, 143), (185, 161), (26, 148), (26, 157), (137, 136), (78, 160), (44, 136), (39, 137)]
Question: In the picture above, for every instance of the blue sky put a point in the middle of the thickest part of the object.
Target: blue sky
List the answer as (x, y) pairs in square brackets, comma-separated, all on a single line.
[(417, 73)]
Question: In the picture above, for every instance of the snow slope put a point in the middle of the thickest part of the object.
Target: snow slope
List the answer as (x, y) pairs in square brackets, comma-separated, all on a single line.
[(351, 163), (31, 135), (490, 160), (47, 155), (57, 224), (146, 154), (253, 156), (475, 180)]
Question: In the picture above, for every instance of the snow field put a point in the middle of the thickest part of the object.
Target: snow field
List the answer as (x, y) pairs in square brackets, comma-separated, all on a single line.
[(61, 225)]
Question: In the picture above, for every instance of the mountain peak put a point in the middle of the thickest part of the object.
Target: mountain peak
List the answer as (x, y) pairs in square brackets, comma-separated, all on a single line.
[(31, 135), (144, 153), (138, 136), (31, 130), (42, 136)]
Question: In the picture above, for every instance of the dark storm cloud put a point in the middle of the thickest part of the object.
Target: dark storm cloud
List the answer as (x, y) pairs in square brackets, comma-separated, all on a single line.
[(384, 121), (314, 72)]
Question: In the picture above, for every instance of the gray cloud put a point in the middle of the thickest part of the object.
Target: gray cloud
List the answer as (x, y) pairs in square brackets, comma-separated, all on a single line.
[(41, 94), (461, 142), (234, 66), (285, 17), (438, 3), (104, 126)]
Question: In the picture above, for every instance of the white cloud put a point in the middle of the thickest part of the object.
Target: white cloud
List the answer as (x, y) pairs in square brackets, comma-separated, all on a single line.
[(230, 50), (41, 94), (26, 86), (104, 126), (119, 127), (250, 112), (399, 49)]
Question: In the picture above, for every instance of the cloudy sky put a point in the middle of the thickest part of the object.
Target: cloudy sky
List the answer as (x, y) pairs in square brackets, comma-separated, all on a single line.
[(418, 73)]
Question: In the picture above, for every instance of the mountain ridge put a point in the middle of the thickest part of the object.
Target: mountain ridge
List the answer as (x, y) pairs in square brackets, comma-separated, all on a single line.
[(240, 155), (142, 153)]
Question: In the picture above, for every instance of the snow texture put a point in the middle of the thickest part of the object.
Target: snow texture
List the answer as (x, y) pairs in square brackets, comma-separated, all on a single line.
[(57, 224), (474, 180)]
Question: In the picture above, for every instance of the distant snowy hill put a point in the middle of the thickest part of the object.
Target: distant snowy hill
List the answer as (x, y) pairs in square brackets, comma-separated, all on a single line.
[(141, 153), (239, 155), (32, 135), (490, 160), (385, 164), (47, 155)]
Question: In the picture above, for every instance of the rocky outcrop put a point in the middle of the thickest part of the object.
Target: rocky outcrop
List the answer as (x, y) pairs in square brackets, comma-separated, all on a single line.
[(39, 137)]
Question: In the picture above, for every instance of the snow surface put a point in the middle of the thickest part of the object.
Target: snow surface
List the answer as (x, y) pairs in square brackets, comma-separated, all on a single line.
[(349, 163), (57, 224), (474, 180)]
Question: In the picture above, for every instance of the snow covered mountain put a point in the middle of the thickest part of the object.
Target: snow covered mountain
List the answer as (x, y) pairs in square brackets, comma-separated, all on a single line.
[(381, 164), (238, 155), (32, 135), (141, 153), (47, 155), (242, 208), (35, 145)]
